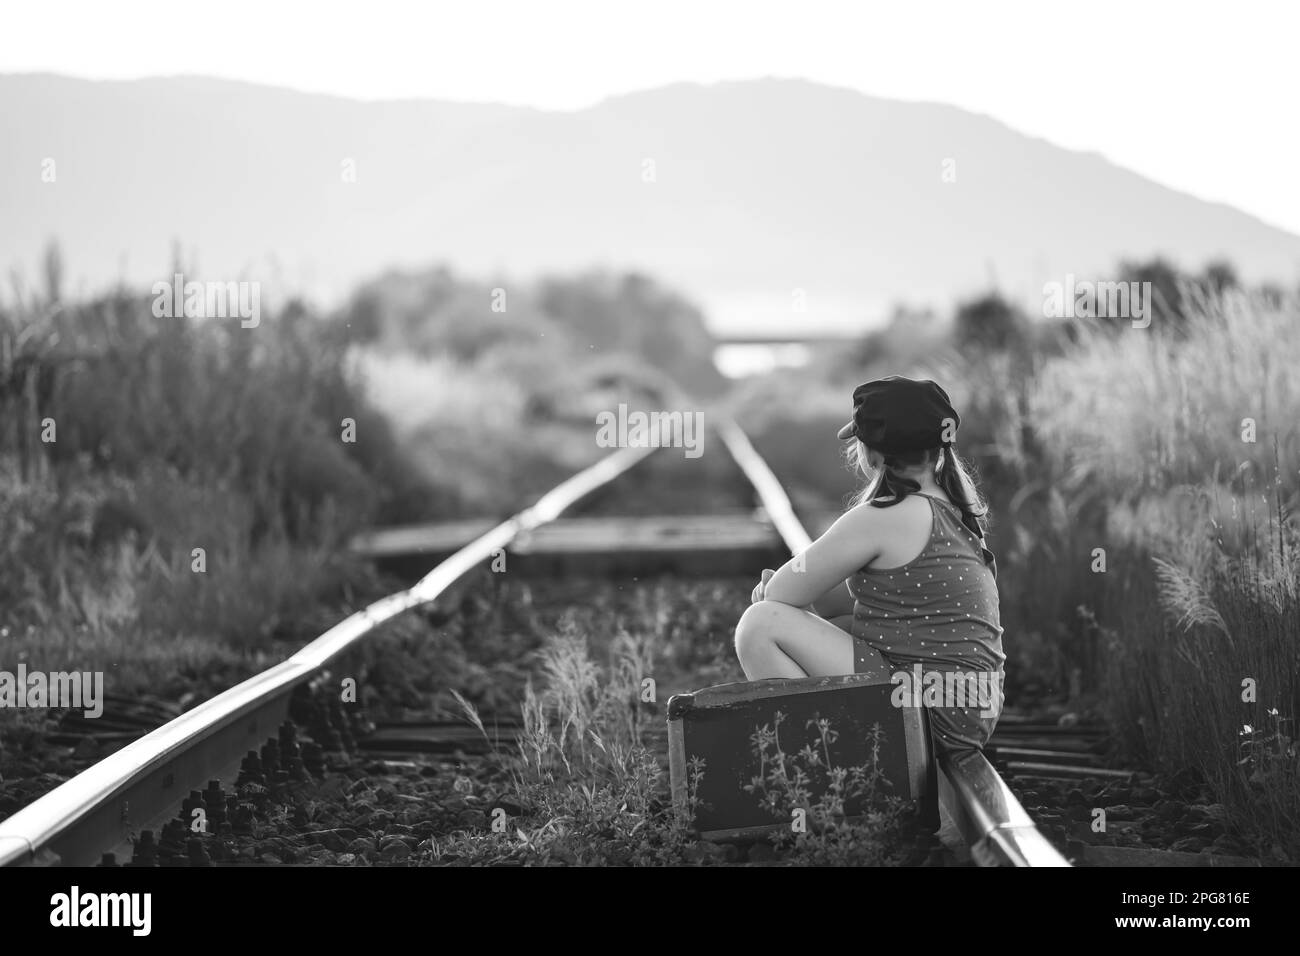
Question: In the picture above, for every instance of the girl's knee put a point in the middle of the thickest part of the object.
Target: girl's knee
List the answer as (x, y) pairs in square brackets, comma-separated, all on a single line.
[(763, 615), (757, 625)]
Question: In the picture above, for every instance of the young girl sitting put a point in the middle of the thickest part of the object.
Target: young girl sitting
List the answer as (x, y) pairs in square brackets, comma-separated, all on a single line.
[(901, 579)]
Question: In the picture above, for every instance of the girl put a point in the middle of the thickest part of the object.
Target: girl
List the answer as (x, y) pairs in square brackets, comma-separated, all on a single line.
[(901, 579)]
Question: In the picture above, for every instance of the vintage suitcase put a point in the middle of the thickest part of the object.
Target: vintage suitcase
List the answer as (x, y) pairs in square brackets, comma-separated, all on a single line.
[(717, 725)]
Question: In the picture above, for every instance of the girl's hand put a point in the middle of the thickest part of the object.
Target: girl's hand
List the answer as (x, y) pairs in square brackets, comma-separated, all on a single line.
[(762, 586)]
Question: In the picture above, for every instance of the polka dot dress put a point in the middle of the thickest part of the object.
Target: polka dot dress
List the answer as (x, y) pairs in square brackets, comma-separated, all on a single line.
[(939, 611)]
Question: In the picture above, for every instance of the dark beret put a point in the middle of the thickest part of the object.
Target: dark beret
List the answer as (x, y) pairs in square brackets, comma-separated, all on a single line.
[(898, 414)]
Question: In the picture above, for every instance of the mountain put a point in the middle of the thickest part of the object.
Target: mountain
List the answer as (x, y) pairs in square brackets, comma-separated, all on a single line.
[(751, 197)]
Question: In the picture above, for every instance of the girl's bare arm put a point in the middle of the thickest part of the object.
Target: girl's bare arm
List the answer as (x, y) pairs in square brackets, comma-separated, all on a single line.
[(836, 602), (847, 545)]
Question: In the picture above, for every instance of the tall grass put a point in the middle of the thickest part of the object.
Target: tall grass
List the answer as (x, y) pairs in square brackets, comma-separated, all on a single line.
[(591, 790), (1191, 449), (1139, 411), (174, 492)]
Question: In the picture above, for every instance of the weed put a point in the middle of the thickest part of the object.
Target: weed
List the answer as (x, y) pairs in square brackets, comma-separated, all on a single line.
[(845, 815)]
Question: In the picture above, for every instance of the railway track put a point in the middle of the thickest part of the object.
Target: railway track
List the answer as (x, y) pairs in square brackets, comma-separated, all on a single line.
[(104, 813)]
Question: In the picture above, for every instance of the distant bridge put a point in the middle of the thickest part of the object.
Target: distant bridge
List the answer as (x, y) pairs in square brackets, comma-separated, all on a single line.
[(736, 356), (774, 339)]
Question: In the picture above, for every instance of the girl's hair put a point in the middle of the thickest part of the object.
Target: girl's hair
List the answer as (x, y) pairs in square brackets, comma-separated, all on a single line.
[(886, 485)]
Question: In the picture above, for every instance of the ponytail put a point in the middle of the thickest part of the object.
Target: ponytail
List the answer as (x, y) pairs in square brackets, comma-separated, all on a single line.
[(886, 487), (955, 480)]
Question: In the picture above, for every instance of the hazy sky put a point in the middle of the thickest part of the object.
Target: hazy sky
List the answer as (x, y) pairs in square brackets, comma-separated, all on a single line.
[(1199, 96)]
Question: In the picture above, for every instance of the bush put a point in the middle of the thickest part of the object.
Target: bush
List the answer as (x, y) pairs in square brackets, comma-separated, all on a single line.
[(137, 440)]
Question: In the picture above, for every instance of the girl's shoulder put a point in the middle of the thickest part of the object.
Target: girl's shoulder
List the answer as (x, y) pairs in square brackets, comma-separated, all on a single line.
[(917, 501), (942, 498), (887, 512)]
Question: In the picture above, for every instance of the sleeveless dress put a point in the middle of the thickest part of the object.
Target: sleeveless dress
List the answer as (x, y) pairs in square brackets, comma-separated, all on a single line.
[(934, 622)]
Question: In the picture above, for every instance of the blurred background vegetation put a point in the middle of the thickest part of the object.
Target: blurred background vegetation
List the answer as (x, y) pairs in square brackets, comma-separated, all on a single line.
[(1091, 438), (174, 434)]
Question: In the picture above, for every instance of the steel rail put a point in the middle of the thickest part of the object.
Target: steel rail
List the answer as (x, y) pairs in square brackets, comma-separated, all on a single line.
[(770, 493), (103, 805), (990, 819)]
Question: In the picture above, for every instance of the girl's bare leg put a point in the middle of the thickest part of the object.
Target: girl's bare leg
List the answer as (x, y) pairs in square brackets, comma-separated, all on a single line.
[(777, 640)]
